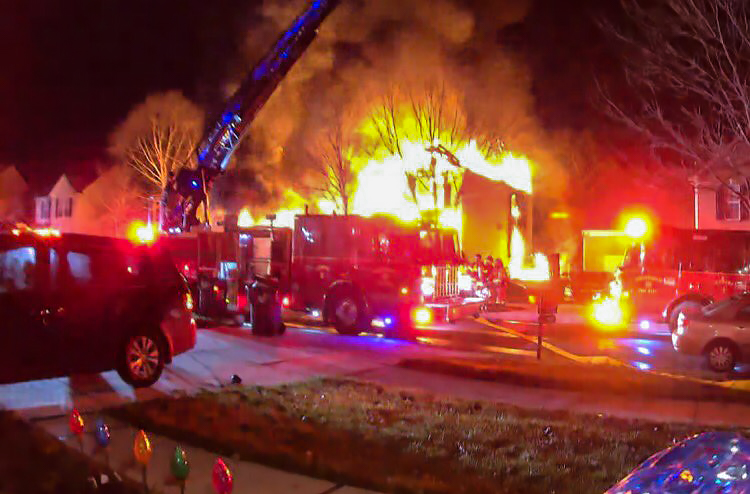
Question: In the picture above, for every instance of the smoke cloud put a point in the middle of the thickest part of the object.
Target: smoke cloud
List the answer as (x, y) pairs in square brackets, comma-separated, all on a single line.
[(367, 50)]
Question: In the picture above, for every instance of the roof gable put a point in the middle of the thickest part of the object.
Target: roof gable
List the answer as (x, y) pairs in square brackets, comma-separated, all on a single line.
[(63, 188)]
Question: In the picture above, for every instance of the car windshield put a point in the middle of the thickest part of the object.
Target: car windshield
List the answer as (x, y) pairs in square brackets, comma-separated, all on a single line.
[(722, 307)]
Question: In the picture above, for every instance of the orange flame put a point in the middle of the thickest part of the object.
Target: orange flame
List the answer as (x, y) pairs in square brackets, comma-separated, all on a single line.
[(408, 184), (539, 271)]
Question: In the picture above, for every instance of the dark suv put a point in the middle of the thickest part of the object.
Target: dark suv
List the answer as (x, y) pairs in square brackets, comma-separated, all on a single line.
[(75, 303)]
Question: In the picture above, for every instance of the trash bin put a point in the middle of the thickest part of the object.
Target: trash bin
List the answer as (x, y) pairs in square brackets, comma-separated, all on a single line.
[(265, 307)]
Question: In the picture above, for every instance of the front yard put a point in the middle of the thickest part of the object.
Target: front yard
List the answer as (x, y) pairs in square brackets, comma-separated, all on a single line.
[(395, 440)]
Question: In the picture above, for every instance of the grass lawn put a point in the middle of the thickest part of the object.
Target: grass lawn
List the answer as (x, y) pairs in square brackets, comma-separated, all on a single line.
[(395, 440), (622, 381), (34, 462)]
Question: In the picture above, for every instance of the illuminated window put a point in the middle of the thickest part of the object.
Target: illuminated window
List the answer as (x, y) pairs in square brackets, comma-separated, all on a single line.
[(44, 208)]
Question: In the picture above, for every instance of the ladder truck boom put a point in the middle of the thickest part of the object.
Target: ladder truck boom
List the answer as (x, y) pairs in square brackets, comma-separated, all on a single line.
[(223, 134)]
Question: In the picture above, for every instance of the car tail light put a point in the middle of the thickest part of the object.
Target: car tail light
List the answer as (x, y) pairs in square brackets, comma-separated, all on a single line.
[(188, 301)]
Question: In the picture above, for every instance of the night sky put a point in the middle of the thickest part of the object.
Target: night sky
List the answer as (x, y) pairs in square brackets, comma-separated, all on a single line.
[(73, 68)]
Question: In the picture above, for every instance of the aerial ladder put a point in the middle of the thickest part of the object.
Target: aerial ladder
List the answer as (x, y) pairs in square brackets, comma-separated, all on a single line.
[(190, 186)]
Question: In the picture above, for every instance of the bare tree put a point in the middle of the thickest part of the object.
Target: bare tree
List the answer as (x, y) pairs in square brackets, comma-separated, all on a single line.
[(687, 62), (438, 117), (386, 121), (433, 118), (336, 170), (158, 136)]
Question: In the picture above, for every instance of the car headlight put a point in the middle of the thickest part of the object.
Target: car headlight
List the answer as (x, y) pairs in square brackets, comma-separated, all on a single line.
[(465, 283), (427, 286)]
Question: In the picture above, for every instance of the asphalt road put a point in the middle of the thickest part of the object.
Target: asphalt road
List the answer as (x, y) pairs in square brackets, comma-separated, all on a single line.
[(646, 347), (311, 351)]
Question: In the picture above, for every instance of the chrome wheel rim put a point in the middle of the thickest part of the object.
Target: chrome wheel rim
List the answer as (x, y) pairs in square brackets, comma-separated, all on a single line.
[(346, 312), (142, 357), (720, 358)]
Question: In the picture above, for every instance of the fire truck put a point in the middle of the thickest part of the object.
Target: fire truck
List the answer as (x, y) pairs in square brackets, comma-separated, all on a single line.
[(353, 272), (356, 272), (679, 271)]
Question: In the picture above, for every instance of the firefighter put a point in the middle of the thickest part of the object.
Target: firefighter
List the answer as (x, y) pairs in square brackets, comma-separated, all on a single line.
[(488, 270), (476, 268), (501, 284)]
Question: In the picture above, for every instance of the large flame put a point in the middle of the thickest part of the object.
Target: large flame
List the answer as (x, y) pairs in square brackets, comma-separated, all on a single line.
[(418, 183), (383, 187), (245, 219), (539, 271)]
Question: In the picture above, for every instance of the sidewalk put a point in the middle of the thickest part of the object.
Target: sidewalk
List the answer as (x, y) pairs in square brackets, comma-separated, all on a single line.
[(248, 477)]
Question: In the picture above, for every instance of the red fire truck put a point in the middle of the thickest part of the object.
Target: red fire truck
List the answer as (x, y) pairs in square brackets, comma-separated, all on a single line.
[(355, 271), (350, 271), (221, 266), (679, 271)]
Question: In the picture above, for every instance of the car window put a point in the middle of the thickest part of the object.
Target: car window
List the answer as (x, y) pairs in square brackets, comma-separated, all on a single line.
[(80, 267), (720, 307), (83, 267), (17, 269)]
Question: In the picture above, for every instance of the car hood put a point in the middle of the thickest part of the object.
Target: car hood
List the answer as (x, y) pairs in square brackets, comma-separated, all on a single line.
[(701, 462)]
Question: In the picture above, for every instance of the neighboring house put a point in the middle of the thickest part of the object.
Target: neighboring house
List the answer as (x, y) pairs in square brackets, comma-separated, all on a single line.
[(96, 205), (55, 210), (717, 207)]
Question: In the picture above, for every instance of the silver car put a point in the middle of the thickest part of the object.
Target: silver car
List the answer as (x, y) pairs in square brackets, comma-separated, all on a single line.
[(720, 332)]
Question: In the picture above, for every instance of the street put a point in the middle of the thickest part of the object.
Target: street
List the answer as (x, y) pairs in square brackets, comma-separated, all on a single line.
[(308, 351)]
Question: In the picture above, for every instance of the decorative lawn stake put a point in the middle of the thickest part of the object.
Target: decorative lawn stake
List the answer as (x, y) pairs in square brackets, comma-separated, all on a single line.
[(102, 437), (180, 467), (142, 452), (222, 477), (76, 427)]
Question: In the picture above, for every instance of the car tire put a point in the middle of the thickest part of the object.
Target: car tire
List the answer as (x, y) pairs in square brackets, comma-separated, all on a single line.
[(141, 359), (687, 307), (347, 314), (721, 356)]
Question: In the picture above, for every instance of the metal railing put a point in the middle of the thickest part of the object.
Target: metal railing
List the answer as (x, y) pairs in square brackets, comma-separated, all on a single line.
[(446, 281)]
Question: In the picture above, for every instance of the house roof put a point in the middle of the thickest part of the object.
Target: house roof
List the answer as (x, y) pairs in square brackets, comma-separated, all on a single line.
[(42, 184)]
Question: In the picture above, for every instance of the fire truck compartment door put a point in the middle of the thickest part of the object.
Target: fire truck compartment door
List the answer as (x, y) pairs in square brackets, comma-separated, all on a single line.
[(262, 256)]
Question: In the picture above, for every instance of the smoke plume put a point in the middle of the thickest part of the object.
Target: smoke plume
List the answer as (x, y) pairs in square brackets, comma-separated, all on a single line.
[(366, 51)]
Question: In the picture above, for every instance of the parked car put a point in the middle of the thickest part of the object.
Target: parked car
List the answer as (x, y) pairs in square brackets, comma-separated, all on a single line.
[(79, 303), (720, 332)]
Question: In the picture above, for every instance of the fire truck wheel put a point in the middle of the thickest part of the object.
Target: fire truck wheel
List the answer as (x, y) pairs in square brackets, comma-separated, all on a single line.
[(346, 314), (721, 355), (687, 307), (141, 359)]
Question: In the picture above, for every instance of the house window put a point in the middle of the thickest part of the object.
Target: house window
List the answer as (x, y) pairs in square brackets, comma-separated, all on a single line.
[(729, 204), (44, 208), (69, 207), (58, 211)]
